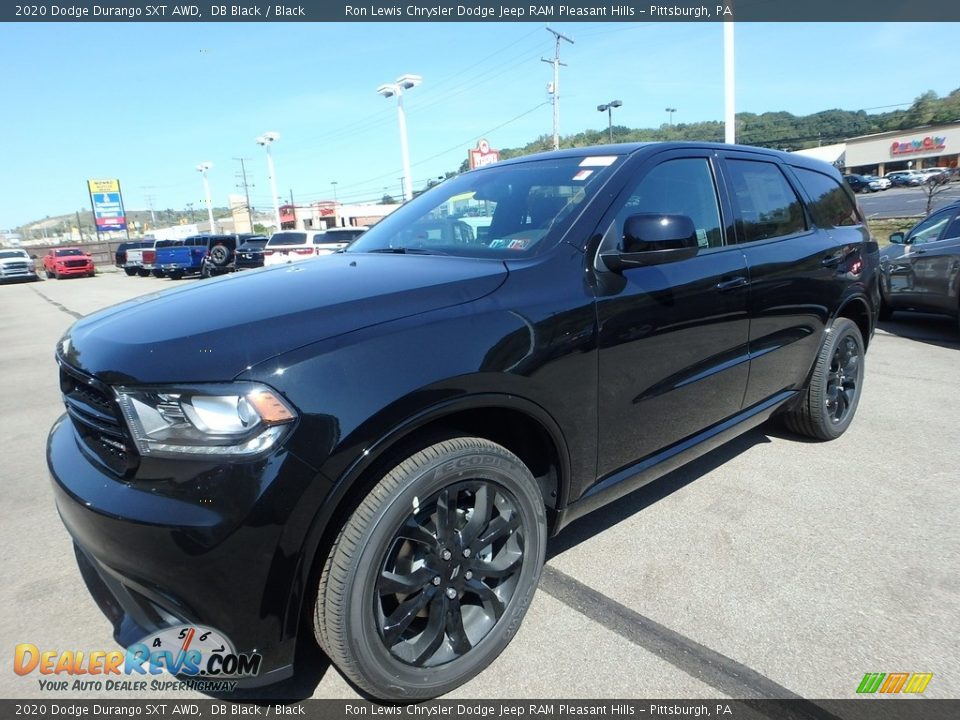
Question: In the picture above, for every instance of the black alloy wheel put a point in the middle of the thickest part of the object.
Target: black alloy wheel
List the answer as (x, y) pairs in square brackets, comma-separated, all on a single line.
[(430, 577), (827, 404), (843, 379), (449, 573)]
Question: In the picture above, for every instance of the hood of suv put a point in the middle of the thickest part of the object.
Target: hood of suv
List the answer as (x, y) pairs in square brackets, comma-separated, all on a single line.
[(213, 330)]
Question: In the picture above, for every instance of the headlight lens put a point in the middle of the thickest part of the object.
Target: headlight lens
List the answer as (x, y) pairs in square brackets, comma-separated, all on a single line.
[(228, 421)]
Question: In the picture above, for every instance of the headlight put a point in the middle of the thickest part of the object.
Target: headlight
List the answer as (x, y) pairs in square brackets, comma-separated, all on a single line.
[(226, 421)]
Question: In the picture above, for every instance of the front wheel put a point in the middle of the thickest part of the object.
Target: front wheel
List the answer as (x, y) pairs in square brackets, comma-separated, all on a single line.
[(830, 400), (431, 576)]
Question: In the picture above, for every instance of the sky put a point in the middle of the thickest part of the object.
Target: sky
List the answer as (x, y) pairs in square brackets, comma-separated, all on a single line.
[(145, 103)]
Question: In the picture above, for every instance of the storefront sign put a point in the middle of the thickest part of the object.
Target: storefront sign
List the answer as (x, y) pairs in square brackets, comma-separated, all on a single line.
[(931, 143), (482, 155)]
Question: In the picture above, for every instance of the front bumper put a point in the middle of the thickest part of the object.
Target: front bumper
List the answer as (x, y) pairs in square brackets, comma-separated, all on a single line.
[(180, 541), (67, 271)]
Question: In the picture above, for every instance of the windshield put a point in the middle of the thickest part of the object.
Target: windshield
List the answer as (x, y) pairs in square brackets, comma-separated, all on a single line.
[(501, 211), (68, 251), (12, 254)]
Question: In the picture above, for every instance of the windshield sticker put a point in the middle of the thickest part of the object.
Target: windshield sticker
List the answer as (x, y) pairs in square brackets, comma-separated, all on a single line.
[(598, 161), (497, 244), (583, 175), (519, 244)]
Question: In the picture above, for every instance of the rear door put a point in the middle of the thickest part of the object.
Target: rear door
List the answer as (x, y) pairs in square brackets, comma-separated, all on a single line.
[(793, 272), (673, 337)]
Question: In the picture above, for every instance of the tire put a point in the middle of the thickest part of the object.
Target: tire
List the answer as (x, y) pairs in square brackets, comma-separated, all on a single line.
[(175, 274), (130, 271), (205, 271), (455, 605), (824, 413), (158, 274), (219, 255), (143, 273)]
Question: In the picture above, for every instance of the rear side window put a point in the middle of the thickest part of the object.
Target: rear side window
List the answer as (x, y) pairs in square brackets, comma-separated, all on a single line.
[(830, 204), (288, 238), (767, 207)]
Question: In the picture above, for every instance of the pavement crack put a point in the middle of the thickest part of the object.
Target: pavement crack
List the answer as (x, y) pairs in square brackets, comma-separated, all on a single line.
[(57, 305)]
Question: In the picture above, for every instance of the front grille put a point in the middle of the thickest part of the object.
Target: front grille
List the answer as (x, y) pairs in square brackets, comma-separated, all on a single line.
[(75, 263), (19, 267), (97, 420)]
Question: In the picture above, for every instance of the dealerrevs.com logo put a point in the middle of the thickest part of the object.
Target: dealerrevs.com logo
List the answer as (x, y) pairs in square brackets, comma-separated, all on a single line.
[(203, 659)]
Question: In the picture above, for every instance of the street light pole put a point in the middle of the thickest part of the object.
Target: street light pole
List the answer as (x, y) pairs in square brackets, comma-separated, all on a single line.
[(334, 183), (609, 110), (202, 168), (670, 112), (404, 82), (266, 140), (729, 112)]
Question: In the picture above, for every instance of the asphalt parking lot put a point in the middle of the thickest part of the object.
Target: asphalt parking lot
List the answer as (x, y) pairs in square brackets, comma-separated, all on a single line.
[(772, 567), (905, 201)]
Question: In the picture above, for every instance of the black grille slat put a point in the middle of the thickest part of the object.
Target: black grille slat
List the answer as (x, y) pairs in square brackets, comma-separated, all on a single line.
[(96, 418), (75, 263)]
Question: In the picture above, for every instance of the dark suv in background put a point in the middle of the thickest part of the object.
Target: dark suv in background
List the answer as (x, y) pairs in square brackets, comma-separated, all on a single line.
[(371, 451)]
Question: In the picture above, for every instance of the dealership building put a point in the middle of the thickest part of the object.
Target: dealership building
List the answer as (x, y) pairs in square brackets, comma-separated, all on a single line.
[(923, 147)]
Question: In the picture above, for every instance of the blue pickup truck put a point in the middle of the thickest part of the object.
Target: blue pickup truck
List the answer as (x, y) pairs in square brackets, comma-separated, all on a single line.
[(187, 257)]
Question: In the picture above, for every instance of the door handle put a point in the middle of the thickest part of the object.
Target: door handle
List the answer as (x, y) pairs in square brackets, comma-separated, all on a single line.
[(831, 260), (732, 283), (919, 251)]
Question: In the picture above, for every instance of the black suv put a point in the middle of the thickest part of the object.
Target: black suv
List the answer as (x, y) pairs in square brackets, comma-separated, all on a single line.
[(371, 450)]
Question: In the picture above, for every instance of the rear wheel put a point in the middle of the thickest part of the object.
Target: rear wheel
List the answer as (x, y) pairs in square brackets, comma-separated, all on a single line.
[(130, 271), (158, 273), (175, 274), (143, 273), (830, 399), (432, 574)]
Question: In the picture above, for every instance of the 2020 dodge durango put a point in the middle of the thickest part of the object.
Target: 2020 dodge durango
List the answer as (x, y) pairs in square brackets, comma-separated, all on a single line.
[(373, 454)]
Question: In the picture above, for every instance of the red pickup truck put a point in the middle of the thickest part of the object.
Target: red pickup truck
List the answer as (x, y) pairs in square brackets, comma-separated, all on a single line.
[(66, 262)]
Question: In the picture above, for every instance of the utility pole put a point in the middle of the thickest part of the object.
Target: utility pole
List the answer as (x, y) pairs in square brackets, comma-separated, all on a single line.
[(729, 111), (246, 191), (149, 199), (555, 86)]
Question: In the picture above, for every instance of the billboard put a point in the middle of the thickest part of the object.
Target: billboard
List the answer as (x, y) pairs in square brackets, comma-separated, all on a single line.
[(107, 204)]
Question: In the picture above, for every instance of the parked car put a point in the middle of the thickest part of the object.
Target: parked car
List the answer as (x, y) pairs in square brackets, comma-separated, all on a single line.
[(921, 268), (186, 257), (877, 183), (290, 246), (121, 255), (866, 183), (250, 253), (68, 262), (377, 447), (936, 175), (17, 264), (148, 261), (905, 178), (220, 259)]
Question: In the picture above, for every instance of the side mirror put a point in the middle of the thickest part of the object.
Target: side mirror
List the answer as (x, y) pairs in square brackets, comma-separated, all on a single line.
[(653, 239), (898, 238)]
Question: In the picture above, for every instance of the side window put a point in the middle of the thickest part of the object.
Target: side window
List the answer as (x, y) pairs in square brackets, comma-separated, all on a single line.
[(929, 229), (678, 187), (767, 207), (953, 230), (830, 206)]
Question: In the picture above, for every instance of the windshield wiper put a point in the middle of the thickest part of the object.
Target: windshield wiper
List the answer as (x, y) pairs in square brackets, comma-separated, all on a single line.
[(405, 251)]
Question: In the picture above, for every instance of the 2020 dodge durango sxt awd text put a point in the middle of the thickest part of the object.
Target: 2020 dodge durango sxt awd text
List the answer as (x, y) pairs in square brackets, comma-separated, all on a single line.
[(374, 453)]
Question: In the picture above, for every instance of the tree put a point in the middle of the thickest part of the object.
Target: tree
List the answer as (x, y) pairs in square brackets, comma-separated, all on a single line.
[(387, 200), (934, 187)]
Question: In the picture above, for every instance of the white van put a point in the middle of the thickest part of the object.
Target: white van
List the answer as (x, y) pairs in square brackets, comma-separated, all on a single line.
[(289, 246)]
